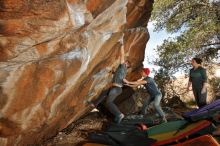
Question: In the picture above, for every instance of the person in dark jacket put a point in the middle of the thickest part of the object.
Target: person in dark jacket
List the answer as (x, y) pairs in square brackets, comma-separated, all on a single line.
[(198, 80), (152, 89), (116, 89)]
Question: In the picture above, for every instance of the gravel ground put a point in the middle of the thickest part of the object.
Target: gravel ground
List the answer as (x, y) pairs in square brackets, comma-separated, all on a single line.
[(76, 133)]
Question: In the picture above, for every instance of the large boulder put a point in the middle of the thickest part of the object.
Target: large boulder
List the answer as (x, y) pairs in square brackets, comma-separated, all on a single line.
[(57, 54)]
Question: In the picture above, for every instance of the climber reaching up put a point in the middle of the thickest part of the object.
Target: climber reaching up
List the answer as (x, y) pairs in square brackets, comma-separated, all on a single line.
[(117, 83)]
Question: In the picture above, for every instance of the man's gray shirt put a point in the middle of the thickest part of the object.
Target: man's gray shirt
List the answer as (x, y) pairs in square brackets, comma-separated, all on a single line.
[(120, 74)]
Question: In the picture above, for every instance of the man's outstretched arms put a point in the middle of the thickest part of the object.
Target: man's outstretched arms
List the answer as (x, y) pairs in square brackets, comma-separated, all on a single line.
[(122, 57)]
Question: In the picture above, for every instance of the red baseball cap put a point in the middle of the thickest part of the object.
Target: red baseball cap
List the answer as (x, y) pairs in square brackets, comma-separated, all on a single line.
[(146, 71)]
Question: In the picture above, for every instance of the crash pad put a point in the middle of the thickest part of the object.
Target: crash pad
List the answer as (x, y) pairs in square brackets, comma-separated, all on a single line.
[(176, 130), (205, 140)]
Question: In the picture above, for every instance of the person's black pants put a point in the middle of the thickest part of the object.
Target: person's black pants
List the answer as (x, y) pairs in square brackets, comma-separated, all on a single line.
[(199, 97)]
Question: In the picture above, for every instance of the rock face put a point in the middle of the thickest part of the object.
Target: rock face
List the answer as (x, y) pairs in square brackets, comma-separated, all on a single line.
[(56, 54)]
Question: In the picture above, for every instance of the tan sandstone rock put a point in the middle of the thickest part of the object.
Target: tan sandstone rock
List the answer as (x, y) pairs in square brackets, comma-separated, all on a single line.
[(57, 54)]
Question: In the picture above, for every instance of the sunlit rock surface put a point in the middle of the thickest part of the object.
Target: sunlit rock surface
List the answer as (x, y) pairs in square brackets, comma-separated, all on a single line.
[(57, 54)]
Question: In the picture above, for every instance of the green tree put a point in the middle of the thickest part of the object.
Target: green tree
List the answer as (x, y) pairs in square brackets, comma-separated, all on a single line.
[(198, 22), (162, 78)]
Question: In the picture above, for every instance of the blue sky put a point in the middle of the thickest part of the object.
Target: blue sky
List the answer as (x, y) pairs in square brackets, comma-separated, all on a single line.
[(156, 38)]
